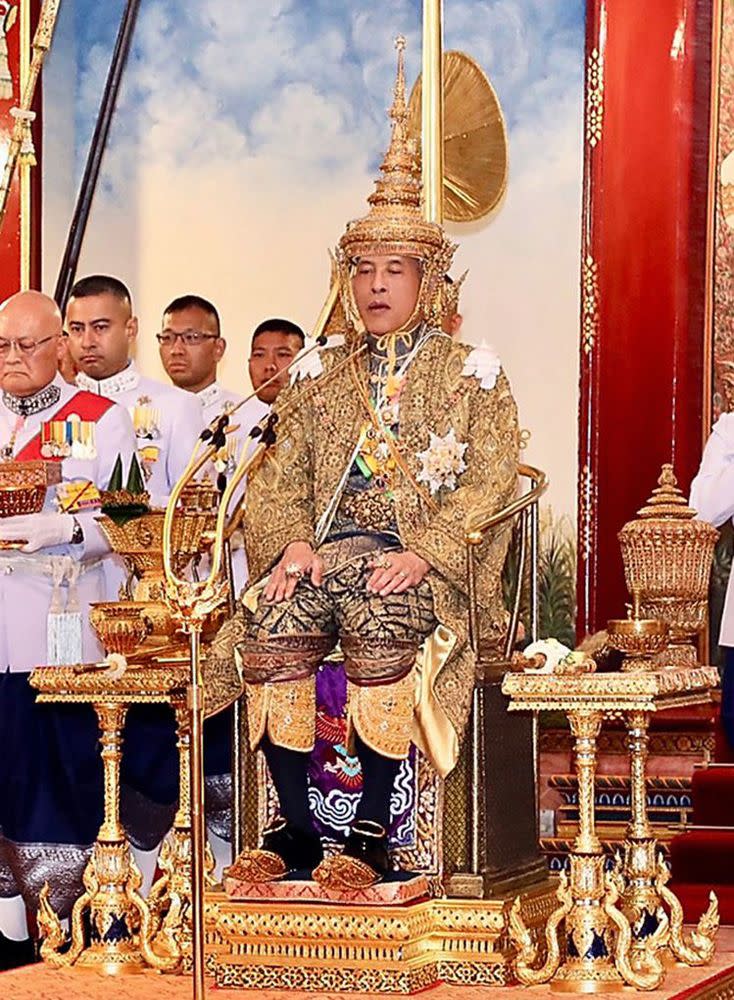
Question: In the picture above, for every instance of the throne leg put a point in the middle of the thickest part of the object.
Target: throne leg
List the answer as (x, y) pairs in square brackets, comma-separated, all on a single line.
[(501, 856)]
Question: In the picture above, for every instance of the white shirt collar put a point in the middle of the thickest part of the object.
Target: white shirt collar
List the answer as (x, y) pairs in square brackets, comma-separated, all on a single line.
[(209, 395), (127, 379)]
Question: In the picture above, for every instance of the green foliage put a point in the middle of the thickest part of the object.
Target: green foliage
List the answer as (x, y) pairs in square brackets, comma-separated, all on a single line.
[(115, 482), (556, 580)]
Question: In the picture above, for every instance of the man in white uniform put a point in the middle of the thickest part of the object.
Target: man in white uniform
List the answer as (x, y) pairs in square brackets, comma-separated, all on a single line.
[(191, 347), (712, 497), (50, 778), (101, 331)]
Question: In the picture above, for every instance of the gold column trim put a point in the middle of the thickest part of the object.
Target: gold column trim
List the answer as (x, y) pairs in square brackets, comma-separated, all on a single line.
[(586, 509), (589, 303), (594, 97), (717, 25)]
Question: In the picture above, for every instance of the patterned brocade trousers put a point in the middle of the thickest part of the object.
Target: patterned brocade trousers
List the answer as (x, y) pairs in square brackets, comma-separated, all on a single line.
[(284, 644)]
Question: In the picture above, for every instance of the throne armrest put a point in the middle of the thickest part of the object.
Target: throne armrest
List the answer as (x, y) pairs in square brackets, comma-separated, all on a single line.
[(476, 527)]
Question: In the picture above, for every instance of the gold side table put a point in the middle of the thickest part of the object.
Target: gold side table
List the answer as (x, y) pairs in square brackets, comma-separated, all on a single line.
[(591, 945), (122, 926)]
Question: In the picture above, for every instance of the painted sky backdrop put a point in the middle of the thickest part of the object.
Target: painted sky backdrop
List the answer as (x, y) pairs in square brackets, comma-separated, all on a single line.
[(249, 131)]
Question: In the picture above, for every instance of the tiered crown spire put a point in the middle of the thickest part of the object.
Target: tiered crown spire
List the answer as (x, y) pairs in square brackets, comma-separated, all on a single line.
[(394, 223)]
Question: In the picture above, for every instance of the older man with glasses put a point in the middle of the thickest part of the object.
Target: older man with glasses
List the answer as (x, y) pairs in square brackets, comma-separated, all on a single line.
[(50, 568)]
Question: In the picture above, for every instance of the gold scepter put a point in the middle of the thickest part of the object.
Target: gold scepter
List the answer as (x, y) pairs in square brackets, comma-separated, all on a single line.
[(23, 114)]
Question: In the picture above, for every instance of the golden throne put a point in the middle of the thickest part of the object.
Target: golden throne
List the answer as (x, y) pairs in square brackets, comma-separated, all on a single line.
[(475, 837)]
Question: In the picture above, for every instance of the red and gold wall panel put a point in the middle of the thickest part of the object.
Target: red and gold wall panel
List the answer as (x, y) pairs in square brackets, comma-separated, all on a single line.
[(644, 273)]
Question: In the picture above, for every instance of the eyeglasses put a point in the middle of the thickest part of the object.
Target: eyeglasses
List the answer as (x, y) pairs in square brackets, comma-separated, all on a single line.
[(192, 338), (24, 345)]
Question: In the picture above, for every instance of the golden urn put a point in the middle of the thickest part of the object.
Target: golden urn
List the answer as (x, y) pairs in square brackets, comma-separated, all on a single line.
[(120, 626), (139, 540), (667, 558)]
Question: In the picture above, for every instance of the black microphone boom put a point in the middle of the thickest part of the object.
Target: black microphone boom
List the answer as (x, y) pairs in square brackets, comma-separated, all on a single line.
[(70, 261)]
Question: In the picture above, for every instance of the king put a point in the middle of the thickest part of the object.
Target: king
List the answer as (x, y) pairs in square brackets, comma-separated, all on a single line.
[(355, 529)]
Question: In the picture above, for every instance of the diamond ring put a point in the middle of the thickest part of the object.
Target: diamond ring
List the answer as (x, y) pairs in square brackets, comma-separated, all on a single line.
[(294, 570)]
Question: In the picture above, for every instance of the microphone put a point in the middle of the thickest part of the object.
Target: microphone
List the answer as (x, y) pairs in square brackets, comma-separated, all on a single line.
[(220, 422)]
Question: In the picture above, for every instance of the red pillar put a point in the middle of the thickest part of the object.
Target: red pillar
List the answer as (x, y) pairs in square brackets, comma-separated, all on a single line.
[(643, 272), (10, 232)]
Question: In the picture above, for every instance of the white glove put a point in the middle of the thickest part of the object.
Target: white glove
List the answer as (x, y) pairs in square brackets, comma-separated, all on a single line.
[(40, 531)]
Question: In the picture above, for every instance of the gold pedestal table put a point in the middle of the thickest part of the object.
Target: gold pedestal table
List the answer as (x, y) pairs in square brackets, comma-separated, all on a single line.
[(125, 934), (610, 922)]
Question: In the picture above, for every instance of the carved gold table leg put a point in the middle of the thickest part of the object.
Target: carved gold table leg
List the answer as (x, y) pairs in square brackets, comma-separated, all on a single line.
[(646, 874), (119, 918), (597, 938), (170, 897), (589, 964), (640, 851)]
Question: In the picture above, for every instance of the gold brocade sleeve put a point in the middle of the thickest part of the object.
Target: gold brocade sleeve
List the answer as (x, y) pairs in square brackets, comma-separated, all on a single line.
[(279, 499), (489, 483)]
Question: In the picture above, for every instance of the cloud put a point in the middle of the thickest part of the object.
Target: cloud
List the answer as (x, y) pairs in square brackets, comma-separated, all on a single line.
[(236, 72)]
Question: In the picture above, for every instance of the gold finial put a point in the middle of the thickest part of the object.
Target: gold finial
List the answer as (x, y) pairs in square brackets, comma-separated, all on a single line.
[(667, 498), (395, 222), (399, 107), (400, 183)]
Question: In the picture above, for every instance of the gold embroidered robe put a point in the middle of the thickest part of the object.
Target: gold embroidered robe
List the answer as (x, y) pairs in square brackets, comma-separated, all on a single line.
[(299, 482)]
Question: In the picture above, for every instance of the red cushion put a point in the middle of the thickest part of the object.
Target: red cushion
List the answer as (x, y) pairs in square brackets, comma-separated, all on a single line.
[(695, 899), (703, 856), (712, 792)]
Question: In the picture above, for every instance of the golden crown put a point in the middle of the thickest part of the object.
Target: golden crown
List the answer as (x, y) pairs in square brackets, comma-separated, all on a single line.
[(395, 223)]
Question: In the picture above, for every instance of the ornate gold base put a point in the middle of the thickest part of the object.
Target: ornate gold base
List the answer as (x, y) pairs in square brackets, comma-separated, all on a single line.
[(119, 938), (378, 949)]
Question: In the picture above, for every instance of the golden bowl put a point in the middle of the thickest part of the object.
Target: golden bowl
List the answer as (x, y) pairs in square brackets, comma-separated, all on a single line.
[(23, 486), (638, 638), (121, 626)]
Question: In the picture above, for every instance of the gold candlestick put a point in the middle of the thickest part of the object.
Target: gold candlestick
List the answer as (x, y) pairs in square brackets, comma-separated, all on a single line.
[(602, 950), (170, 897), (120, 939)]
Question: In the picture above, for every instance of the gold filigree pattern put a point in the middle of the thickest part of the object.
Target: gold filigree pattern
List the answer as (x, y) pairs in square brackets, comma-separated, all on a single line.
[(290, 713), (589, 304), (594, 97), (298, 484), (285, 945), (382, 715)]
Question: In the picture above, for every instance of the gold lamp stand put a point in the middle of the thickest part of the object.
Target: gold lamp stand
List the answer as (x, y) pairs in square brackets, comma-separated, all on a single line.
[(597, 938), (121, 925)]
